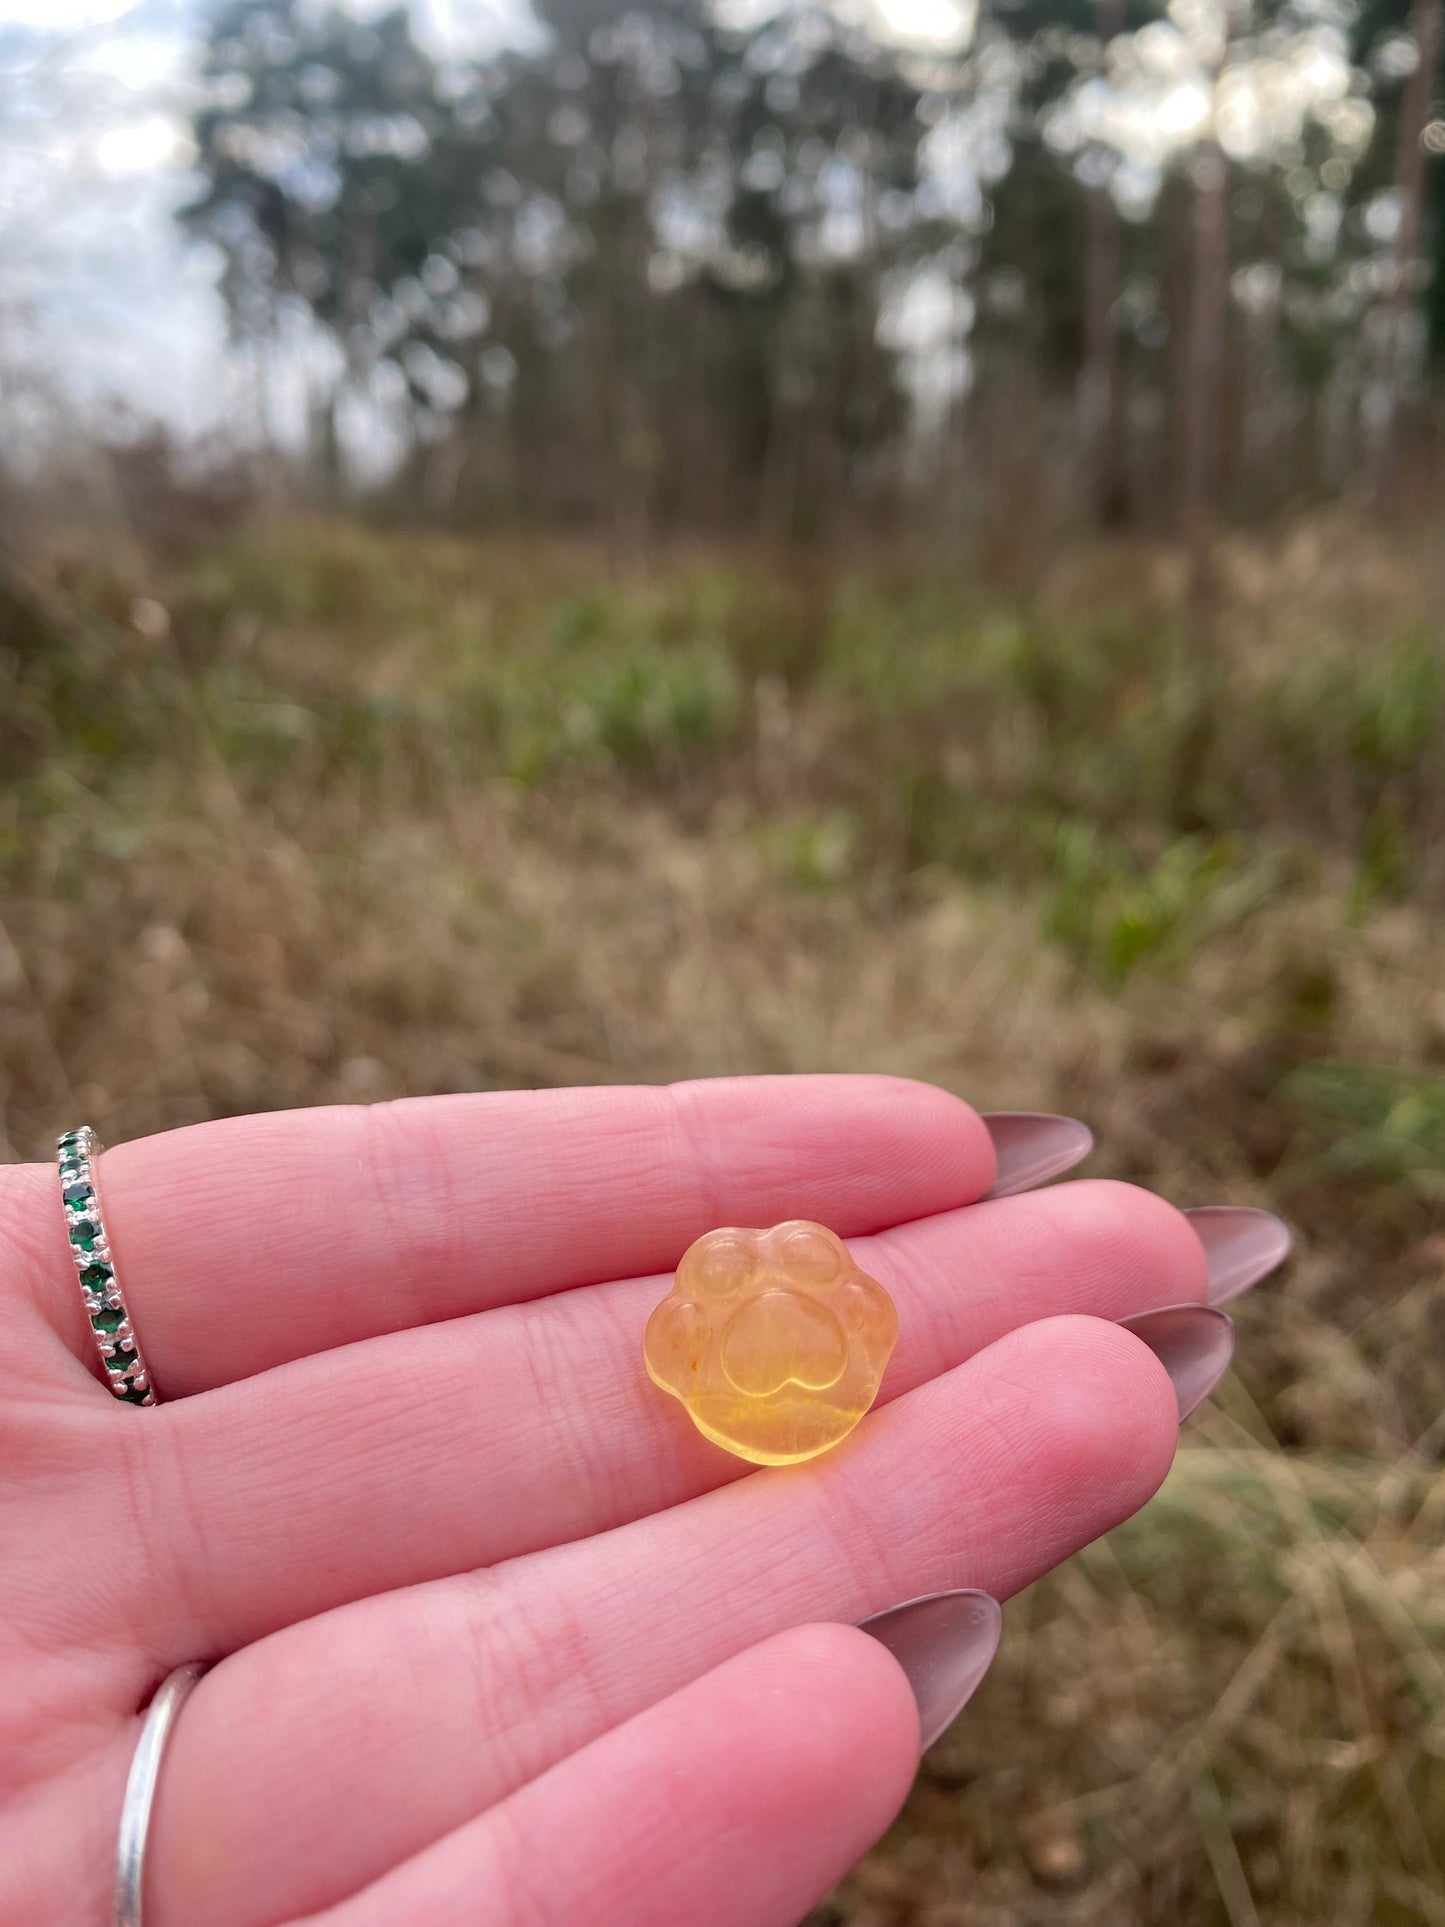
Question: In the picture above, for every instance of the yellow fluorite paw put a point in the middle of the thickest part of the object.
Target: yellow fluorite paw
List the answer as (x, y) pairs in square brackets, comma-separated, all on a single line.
[(774, 1341)]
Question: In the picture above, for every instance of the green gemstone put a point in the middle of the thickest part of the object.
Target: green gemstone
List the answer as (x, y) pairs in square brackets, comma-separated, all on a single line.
[(107, 1321), (78, 1196), (72, 1170), (70, 1137), (96, 1277), (85, 1234), (132, 1395), (121, 1359)]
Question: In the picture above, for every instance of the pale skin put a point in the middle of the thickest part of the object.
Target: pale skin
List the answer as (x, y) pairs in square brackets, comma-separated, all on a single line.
[(496, 1637)]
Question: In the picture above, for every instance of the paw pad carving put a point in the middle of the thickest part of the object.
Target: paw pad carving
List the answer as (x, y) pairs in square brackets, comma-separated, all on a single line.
[(774, 1341)]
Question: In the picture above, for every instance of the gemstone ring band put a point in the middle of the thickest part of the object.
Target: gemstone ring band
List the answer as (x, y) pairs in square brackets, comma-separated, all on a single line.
[(105, 1308)]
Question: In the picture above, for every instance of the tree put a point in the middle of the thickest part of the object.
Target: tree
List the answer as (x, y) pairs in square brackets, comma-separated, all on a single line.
[(1400, 43), (1101, 396), (332, 165), (1411, 271), (638, 264), (634, 270)]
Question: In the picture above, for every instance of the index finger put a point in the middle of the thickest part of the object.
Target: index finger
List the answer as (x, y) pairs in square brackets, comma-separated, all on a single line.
[(254, 1240)]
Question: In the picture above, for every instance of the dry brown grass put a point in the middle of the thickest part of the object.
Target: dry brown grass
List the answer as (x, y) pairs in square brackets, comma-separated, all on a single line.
[(376, 816)]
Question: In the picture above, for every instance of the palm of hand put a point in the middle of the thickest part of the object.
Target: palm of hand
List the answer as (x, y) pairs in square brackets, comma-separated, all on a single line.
[(497, 1635)]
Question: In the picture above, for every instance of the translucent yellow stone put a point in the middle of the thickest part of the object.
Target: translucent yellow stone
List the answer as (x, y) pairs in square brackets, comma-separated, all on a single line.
[(774, 1341)]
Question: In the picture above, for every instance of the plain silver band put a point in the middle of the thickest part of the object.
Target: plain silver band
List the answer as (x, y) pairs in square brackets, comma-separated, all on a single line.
[(140, 1791)]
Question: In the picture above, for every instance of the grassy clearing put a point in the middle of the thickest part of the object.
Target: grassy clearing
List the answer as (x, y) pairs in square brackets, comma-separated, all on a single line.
[(321, 813)]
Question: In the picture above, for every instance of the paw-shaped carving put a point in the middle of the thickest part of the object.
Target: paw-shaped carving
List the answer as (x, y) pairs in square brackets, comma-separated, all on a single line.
[(774, 1341)]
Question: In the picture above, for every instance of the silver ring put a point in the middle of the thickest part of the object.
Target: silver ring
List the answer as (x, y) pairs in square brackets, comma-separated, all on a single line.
[(140, 1791), (78, 1153)]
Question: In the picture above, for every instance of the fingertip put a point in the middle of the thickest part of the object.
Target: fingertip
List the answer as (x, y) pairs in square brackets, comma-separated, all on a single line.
[(1135, 1234), (902, 1148), (861, 1725), (1108, 1415), (811, 1739), (850, 1677), (948, 1141), (1137, 1445), (1194, 1344)]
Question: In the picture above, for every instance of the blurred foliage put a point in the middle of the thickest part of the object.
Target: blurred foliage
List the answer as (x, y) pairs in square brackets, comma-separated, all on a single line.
[(1123, 785), (323, 813), (1390, 1122), (1301, 1781)]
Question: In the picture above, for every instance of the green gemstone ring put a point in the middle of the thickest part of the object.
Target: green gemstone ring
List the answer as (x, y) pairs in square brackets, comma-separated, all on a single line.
[(110, 1326)]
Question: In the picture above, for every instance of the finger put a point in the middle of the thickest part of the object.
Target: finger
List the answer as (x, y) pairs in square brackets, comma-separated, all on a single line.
[(254, 1240), (742, 1798), (58, 1830), (351, 1741), (533, 1425)]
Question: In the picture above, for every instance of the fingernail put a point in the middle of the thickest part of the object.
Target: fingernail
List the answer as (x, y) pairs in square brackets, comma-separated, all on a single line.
[(1241, 1244), (945, 1643), (1033, 1145), (1194, 1344)]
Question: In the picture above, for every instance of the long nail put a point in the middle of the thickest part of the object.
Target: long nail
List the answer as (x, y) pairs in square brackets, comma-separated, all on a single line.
[(1242, 1245), (945, 1643), (1194, 1344), (1031, 1146)]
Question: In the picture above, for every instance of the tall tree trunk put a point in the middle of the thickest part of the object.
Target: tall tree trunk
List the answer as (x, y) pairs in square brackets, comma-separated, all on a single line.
[(1204, 410), (1408, 280), (1101, 401)]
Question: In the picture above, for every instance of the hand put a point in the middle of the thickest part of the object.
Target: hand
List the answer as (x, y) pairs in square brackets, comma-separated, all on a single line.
[(498, 1637)]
